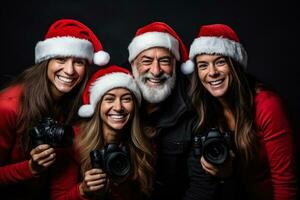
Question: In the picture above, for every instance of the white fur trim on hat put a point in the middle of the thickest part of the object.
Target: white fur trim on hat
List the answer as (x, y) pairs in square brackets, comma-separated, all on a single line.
[(153, 39), (187, 67), (106, 83), (218, 45), (86, 110), (101, 58), (63, 46)]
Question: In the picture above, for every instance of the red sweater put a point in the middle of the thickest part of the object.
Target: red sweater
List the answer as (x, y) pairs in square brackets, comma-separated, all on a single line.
[(16, 179), (67, 178), (273, 176)]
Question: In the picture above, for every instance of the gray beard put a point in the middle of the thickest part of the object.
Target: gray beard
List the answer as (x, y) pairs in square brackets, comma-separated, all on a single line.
[(155, 94)]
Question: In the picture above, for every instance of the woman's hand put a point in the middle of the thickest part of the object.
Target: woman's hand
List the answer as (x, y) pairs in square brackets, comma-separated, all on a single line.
[(223, 171), (94, 180), (42, 157)]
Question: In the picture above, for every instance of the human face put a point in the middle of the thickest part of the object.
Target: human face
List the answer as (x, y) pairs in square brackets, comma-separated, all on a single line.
[(214, 74), (154, 70), (64, 74), (116, 109)]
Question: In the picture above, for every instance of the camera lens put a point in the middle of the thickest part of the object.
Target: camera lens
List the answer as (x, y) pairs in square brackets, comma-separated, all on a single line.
[(215, 151), (118, 164)]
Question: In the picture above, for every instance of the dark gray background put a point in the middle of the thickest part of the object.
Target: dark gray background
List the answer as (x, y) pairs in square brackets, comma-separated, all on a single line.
[(266, 29)]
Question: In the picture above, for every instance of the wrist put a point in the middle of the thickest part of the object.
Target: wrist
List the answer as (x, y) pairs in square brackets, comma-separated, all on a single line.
[(33, 172), (81, 191)]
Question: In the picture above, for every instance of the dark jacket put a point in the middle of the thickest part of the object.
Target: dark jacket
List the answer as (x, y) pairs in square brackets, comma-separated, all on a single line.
[(179, 174)]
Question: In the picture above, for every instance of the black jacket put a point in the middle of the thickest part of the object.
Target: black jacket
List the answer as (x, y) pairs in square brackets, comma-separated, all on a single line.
[(179, 174)]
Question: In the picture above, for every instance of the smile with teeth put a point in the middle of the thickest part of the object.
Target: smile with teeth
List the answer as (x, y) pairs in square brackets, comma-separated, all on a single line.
[(66, 80), (156, 80), (117, 117), (216, 82)]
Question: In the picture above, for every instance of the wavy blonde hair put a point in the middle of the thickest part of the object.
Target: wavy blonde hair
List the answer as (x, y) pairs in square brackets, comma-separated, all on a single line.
[(140, 150)]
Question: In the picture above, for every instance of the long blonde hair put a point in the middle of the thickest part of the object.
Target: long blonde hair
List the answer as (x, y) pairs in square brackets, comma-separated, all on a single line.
[(91, 138)]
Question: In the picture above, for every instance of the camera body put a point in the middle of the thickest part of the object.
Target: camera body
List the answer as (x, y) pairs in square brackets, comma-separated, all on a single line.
[(49, 131), (115, 161), (213, 146)]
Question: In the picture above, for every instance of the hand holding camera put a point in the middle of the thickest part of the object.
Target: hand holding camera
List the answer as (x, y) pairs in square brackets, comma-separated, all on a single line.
[(94, 183), (113, 160), (46, 135), (41, 158), (215, 149), (213, 146)]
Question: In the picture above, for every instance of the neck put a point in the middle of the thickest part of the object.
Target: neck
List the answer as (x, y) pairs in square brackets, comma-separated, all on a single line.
[(111, 136)]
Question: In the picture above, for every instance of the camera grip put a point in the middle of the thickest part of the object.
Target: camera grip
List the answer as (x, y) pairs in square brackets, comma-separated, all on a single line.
[(96, 159)]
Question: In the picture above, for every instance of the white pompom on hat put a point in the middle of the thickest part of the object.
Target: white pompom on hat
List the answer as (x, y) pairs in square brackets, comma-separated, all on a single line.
[(218, 39), (101, 82), (68, 37), (159, 34)]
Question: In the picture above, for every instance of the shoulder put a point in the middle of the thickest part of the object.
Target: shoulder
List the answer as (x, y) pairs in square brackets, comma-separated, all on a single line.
[(267, 101), (270, 111), (10, 98)]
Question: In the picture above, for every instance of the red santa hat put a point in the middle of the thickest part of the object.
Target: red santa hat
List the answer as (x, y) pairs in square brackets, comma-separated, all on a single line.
[(159, 34), (218, 39), (101, 82), (68, 37)]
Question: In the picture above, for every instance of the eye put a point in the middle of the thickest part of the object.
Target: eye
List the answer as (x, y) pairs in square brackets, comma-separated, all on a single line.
[(221, 62), (146, 62), (127, 98), (80, 62), (202, 66), (108, 99), (165, 61), (60, 60)]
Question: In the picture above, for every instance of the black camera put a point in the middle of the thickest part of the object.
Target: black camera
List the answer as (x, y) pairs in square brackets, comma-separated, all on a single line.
[(214, 146), (49, 131), (113, 160)]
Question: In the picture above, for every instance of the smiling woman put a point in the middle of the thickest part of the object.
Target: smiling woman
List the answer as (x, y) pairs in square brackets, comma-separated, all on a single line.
[(65, 73), (214, 74), (228, 98), (112, 127), (51, 88)]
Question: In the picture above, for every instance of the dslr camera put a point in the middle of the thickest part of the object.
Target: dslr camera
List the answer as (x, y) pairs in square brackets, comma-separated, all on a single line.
[(49, 131), (214, 146), (113, 160)]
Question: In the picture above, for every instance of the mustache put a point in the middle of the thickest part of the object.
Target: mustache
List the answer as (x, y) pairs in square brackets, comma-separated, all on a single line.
[(148, 75)]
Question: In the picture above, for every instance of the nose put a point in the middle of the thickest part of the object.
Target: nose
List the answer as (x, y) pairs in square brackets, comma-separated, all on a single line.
[(69, 67), (213, 71), (118, 105), (155, 69)]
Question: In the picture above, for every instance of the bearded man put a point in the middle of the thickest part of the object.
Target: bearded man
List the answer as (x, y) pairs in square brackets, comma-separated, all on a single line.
[(156, 54)]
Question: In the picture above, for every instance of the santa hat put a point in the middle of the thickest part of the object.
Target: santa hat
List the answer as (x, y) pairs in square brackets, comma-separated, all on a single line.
[(103, 81), (218, 39), (68, 37), (159, 34)]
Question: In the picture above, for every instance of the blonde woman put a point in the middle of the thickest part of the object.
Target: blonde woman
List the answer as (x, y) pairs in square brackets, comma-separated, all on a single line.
[(111, 101)]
